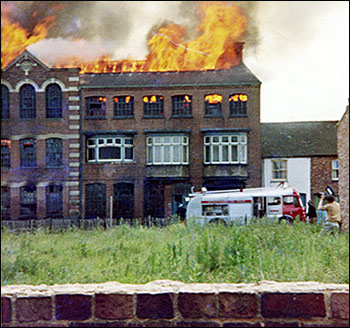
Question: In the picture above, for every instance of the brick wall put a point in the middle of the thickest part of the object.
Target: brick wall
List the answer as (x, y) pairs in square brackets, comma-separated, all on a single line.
[(321, 174), (175, 304), (343, 153)]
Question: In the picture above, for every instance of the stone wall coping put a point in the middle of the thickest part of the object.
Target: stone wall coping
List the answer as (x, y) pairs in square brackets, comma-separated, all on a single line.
[(169, 286)]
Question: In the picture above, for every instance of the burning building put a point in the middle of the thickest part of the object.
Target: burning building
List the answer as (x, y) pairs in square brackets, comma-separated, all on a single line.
[(128, 139)]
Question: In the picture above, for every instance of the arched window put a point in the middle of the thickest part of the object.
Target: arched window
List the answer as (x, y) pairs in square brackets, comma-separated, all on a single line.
[(95, 200), (27, 101), (5, 102), (54, 152), (53, 101), (123, 204)]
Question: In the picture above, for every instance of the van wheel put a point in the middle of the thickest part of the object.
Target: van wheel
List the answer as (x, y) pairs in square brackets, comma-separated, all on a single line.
[(217, 221), (285, 219)]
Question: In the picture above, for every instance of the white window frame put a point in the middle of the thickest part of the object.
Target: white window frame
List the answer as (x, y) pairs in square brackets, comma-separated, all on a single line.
[(110, 141), (228, 141), (161, 143), (335, 170), (285, 169)]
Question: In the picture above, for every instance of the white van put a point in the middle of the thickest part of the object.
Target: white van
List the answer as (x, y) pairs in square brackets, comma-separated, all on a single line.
[(241, 205)]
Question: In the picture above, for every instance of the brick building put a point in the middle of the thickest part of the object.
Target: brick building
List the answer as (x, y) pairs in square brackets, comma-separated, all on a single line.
[(343, 153), (131, 144), (39, 140)]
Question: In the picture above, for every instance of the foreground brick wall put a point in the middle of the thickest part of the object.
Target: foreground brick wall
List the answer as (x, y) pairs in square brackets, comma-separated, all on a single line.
[(174, 304)]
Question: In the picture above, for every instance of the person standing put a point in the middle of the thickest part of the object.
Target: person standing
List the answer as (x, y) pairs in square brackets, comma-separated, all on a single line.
[(311, 212), (181, 212), (333, 220)]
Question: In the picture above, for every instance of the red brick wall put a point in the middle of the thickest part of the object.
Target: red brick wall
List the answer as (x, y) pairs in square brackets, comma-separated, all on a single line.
[(174, 304), (321, 174), (343, 153)]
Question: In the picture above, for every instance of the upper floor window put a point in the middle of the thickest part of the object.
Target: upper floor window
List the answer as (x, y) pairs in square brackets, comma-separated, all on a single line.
[(335, 170), (123, 106), (110, 149), (279, 169), (153, 106), (54, 152), (54, 201), (28, 201), (53, 101), (181, 105), (5, 153), (213, 105), (27, 101), (28, 153), (238, 104), (95, 107), (5, 202), (95, 200), (5, 102), (167, 149), (225, 149)]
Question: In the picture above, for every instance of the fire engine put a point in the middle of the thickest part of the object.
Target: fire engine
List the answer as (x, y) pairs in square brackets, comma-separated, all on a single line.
[(242, 205)]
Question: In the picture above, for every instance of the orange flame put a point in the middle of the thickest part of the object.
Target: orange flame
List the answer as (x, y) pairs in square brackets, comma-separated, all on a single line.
[(15, 39), (222, 24)]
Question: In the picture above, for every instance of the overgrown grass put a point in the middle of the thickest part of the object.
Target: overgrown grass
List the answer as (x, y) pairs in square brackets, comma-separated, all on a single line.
[(212, 254)]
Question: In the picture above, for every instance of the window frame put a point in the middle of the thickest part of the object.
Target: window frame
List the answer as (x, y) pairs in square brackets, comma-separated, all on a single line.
[(26, 156), (152, 145), (53, 94), (5, 102), (94, 205), (238, 108), (123, 200), (121, 108), (6, 155), (110, 141), (153, 109), (27, 111), (31, 206), (217, 141), (335, 170), (179, 101), (54, 200), (279, 170), (54, 159), (98, 113), (209, 109)]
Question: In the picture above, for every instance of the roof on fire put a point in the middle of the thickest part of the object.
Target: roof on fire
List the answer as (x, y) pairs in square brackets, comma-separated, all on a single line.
[(299, 139), (237, 75)]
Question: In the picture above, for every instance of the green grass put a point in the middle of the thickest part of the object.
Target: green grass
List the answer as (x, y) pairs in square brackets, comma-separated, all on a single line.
[(211, 254)]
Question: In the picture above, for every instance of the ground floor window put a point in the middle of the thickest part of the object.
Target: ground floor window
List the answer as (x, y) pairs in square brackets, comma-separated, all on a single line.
[(5, 202), (95, 200), (123, 201), (154, 199), (28, 202), (54, 201)]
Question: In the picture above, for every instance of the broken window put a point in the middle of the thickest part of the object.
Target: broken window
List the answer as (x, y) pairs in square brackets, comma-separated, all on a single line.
[(213, 103), (181, 105), (123, 107), (238, 104), (95, 107), (28, 202), (5, 153), (28, 153), (153, 106)]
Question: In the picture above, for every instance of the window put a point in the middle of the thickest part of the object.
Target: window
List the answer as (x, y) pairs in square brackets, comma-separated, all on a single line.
[(54, 152), (123, 201), (167, 150), (212, 105), (273, 201), (54, 201), (28, 202), (335, 170), (95, 200), (5, 153), (110, 149), (5, 202), (123, 107), (238, 104), (181, 105), (95, 107), (5, 102), (279, 170), (53, 101), (153, 106), (28, 153), (225, 149), (27, 101)]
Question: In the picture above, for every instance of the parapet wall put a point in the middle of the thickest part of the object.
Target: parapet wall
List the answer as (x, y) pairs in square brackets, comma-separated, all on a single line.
[(167, 303)]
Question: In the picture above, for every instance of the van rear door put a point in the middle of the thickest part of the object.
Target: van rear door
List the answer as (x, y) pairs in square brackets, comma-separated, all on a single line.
[(274, 206)]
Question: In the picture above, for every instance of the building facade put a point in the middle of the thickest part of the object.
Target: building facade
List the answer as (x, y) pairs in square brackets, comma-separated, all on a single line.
[(302, 154), (131, 144)]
